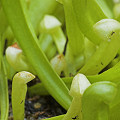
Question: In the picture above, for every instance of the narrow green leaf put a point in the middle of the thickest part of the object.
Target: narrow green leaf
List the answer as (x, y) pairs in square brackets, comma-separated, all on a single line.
[(3, 21), (4, 100), (25, 35), (75, 36)]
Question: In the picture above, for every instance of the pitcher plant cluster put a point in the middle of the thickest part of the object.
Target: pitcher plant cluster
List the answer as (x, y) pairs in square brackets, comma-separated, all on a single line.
[(73, 46)]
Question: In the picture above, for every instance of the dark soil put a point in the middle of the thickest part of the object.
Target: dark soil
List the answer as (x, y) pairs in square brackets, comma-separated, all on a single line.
[(38, 107)]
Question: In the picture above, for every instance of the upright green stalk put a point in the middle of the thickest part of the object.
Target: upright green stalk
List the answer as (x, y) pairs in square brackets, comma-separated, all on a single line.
[(79, 84), (4, 100), (0, 49), (19, 89), (52, 26), (46, 43), (24, 33), (75, 36), (3, 21)]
